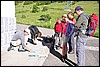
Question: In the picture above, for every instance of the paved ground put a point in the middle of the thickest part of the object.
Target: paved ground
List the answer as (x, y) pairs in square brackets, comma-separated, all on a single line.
[(92, 56), (92, 52), (53, 59), (15, 58)]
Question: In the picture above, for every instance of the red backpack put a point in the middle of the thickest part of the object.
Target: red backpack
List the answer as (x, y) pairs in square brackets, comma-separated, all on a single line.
[(92, 25)]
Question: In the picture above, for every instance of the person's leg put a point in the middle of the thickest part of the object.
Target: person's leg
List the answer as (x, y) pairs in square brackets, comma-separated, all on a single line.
[(66, 48), (70, 47), (80, 50), (72, 42), (60, 40), (56, 40), (66, 39), (14, 44), (63, 52), (63, 48), (18, 43)]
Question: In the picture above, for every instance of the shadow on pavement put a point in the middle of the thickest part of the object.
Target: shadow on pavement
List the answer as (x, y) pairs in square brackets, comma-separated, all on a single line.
[(54, 52), (73, 63), (58, 55)]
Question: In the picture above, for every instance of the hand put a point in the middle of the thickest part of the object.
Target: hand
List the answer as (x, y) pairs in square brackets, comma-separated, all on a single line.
[(26, 48), (69, 35)]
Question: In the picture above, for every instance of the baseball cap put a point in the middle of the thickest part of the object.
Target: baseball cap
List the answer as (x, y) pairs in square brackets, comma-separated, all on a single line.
[(77, 8)]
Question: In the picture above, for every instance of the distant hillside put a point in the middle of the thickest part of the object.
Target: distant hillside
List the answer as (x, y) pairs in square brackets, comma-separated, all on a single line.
[(55, 10)]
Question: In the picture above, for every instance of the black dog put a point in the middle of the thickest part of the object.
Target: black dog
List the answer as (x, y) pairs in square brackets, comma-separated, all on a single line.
[(34, 31)]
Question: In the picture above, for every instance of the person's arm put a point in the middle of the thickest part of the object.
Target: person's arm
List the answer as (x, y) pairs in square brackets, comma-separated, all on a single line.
[(74, 20), (55, 28), (22, 37), (26, 48), (72, 31)]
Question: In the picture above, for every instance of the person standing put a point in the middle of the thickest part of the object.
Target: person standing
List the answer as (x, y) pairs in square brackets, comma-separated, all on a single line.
[(64, 46), (57, 29), (70, 16), (81, 38), (68, 30)]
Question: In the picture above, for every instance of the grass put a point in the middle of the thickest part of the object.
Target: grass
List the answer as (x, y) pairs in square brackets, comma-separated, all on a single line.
[(55, 10)]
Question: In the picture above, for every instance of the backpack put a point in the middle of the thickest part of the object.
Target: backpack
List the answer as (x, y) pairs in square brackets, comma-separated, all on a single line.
[(49, 41), (92, 25)]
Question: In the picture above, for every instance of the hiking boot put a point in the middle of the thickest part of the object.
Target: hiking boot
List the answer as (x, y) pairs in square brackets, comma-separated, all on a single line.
[(34, 43), (57, 48), (71, 52), (63, 59), (21, 49), (65, 56), (10, 48)]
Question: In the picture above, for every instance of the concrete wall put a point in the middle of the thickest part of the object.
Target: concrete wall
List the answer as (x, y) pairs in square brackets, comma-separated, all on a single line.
[(8, 23), (7, 9)]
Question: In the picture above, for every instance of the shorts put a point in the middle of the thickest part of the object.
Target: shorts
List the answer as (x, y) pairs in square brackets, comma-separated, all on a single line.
[(16, 43), (57, 34), (65, 38)]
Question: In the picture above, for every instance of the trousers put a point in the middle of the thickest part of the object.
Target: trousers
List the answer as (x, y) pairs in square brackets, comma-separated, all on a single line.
[(80, 50)]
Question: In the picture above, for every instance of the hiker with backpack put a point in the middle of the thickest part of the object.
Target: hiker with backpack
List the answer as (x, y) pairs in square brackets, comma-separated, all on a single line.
[(71, 43), (81, 38), (85, 26), (57, 35)]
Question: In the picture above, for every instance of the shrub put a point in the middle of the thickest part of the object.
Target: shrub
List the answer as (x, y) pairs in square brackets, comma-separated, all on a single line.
[(35, 9), (47, 2), (73, 2), (53, 1), (23, 16), (43, 3), (45, 18), (45, 8), (28, 2), (60, 1), (17, 2), (39, 3)]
